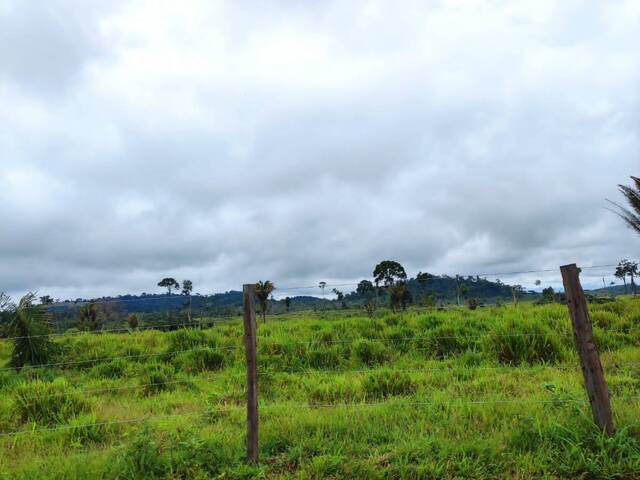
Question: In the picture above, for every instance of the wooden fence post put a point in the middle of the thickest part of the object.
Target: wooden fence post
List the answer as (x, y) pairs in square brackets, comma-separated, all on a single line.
[(249, 310), (594, 380)]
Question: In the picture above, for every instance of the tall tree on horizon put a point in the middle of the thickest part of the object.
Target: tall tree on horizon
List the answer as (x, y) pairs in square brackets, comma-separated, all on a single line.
[(631, 215), (169, 283), (622, 274), (187, 288), (263, 290)]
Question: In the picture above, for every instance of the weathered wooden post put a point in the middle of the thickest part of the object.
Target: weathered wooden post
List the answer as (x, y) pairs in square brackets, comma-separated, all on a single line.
[(594, 380), (249, 314)]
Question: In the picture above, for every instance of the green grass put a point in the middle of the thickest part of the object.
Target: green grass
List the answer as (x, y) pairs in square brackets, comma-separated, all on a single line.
[(490, 393)]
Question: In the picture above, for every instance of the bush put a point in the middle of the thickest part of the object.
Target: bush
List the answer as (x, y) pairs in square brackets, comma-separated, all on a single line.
[(370, 352), (525, 341), (604, 319), (199, 360), (335, 391), (185, 339), (114, 369), (49, 403), (325, 357), (446, 340), (158, 377), (384, 384)]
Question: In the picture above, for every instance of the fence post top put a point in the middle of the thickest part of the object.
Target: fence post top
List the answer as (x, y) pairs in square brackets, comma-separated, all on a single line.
[(569, 265)]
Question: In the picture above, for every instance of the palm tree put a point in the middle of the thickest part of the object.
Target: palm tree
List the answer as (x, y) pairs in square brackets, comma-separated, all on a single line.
[(631, 216), (263, 290), (30, 325)]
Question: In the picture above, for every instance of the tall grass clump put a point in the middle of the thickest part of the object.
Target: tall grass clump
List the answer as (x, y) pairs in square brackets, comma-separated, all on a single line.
[(524, 341), (157, 377), (371, 352), (187, 339), (49, 403), (116, 368), (383, 384), (196, 361)]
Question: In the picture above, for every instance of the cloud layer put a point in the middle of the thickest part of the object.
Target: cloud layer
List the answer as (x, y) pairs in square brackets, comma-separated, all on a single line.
[(230, 141)]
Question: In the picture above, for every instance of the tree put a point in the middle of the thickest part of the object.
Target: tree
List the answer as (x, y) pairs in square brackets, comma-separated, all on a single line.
[(462, 292), (169, 283), (631, 216), (622, 274), (388, 272), (30, 328), (187, 288), (624, 268), (339, 295), (89, 318), (423, 278), (287, 303), (263, 290), (399, 295), (516, 291), (46, 300), (133, 321), (473, 303), (365, 289), (322, 286), (429, 300), (548, 295)]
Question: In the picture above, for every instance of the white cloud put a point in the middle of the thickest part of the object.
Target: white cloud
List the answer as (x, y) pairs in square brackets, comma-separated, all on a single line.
[(229, 141)]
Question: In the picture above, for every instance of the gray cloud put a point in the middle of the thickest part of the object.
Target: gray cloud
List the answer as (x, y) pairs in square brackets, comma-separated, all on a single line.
[(227, 142)]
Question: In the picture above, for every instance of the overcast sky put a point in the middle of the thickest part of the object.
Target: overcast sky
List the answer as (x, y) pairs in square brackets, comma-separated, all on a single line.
[(227, 142)]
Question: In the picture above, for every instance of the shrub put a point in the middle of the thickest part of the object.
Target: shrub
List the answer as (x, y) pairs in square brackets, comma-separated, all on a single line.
[(158, 377), (185, 339), (371, 352), (384, 384), (199, 360), (49, 403), (524, 341), (446, 340), (86, 429), (325, 357), (335, 391), (114, 369), (604, 319)]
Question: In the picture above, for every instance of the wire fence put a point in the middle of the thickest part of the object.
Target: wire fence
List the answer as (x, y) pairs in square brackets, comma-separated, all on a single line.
[(311, 405), (266, 343)]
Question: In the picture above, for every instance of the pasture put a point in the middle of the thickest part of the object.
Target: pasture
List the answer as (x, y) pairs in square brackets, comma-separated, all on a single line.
[(491, 393)]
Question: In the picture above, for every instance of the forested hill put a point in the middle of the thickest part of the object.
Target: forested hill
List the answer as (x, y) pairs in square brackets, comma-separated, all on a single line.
[(443, 289)]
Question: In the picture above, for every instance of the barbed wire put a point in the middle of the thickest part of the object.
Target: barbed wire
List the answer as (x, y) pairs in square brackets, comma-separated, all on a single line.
[(515, 368), (463, 277), (110, 359), (385, 340), (393, 402), (170, 327)]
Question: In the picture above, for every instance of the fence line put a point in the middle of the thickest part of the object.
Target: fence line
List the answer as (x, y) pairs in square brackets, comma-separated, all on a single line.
[(312, 406), (268, 372), (108, 359), (385, 340)]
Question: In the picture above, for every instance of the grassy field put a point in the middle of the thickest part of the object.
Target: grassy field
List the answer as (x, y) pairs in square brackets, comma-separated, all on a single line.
[(491, 393)]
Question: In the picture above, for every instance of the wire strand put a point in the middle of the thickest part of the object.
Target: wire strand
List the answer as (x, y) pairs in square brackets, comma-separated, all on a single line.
[(289, 405)]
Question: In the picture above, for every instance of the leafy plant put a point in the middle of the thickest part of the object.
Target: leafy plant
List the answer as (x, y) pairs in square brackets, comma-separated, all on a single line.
[(30, 329)]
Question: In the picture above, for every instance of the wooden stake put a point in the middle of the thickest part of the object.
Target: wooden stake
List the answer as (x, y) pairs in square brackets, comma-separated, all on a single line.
[(249, 307), (594, 380)]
